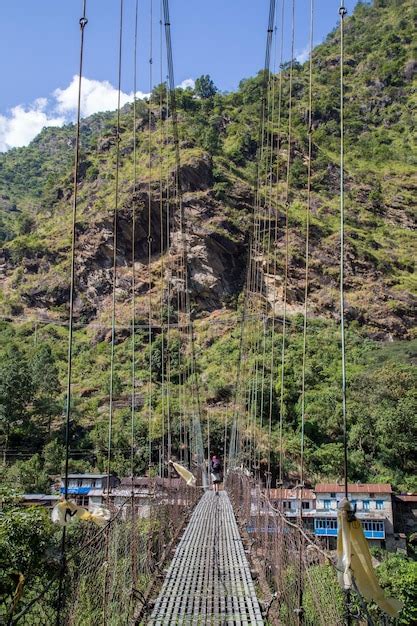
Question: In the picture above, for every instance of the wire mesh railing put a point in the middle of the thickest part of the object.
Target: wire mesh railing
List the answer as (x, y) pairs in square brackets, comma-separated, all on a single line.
[(109, 572), (300, 573)]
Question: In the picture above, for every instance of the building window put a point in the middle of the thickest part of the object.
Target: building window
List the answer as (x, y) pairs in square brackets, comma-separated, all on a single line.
[(326, 523), (354, 503), (332, 495), (286, 504), (373, 526), (305, 505), (379, 505), (365, 505), (327, 504)]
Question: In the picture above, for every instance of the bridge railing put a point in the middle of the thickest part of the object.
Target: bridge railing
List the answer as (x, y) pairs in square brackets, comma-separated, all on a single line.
[(300, 574), (109, 572)]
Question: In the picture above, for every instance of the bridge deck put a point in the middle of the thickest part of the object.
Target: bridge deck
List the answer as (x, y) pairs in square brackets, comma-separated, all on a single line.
[(209, 580)]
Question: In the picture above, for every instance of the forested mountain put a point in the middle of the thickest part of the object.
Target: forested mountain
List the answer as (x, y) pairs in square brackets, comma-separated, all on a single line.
[(219, 147)]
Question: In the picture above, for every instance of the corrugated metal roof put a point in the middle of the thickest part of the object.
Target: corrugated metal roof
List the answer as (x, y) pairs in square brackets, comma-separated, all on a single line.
[(293, 494), (87, 476), (39, 496), (407, 497), (146, 480), (354, 488)]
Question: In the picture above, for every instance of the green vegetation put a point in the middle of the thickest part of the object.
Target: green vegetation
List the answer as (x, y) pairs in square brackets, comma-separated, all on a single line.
[(29, 547), (382, 400), (397, 574), (30, 550)]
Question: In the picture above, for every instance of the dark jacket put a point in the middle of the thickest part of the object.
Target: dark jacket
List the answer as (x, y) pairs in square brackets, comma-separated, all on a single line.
[(216, 466)]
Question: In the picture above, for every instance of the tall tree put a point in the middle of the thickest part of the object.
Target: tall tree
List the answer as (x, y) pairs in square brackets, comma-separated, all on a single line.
[(45, 377), (205, 87), (16, 391)]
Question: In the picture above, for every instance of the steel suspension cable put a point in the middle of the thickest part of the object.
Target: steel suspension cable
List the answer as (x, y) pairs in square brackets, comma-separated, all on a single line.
[(83, 23), (133, 334), (168, 296), (150, 342), (255, 276), (185, 306), (307, 241), (342, 13), (113, 308), (133, 373), (304, 349), (114, 280), (162, 245), (272, 364), (286, 200), (269, 199)]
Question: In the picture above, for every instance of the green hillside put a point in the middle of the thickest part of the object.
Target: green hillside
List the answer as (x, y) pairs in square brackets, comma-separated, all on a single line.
[(219, 145)]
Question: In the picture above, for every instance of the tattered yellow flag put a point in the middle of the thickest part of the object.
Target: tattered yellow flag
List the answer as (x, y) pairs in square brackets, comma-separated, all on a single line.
[(184, 473), (354, 562), (67, 511)]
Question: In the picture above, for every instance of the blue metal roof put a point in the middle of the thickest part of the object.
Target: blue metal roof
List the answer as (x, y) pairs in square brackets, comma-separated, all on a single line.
[(78, 491)]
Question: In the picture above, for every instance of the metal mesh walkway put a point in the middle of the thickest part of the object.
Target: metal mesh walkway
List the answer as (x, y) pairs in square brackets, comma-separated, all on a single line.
[(209, 581)]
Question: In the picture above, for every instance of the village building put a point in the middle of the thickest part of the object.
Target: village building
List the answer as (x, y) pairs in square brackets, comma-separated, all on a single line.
[(45, 500), (288, 501), (371, 502), (82, 487)]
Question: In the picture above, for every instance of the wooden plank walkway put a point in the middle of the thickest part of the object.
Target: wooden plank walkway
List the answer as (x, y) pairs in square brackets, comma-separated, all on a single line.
[(209, 580)]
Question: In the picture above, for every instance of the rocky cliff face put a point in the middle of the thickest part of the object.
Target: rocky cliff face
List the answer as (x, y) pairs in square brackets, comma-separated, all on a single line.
[(218, 154), (217, 252)]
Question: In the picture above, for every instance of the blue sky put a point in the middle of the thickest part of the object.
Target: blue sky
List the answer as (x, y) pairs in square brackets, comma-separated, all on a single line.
[(39, 46)]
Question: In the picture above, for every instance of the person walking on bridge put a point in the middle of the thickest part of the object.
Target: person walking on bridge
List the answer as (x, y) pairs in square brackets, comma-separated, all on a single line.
[(216, 473)]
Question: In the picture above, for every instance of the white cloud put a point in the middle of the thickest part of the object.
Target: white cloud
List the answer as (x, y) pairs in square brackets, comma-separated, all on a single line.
[(303, 55), (24, 123), (188, 82), (96, 96)]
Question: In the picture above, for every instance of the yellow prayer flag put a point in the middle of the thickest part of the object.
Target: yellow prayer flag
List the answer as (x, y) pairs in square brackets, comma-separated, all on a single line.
[(67, 511), (184, 473), (354, 560)]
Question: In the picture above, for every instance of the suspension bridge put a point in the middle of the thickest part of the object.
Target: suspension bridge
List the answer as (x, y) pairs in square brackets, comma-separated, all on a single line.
[(196, 557)]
